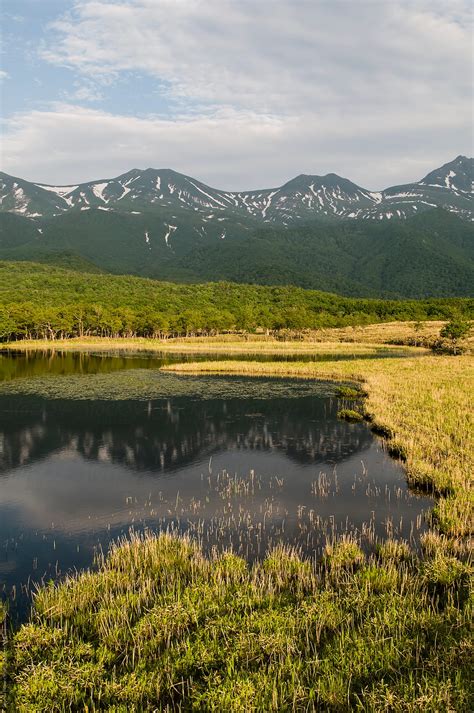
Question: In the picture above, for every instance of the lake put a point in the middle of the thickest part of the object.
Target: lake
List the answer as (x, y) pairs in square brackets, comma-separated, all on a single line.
[(92, 445)]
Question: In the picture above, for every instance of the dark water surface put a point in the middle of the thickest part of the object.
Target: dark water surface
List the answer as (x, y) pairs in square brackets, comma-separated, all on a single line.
[(93, 445)]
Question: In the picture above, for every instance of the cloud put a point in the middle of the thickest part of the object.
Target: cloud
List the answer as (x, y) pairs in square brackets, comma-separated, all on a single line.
[(86, 92), (227, 148), (3, 75), (283, 56), (251, 93)]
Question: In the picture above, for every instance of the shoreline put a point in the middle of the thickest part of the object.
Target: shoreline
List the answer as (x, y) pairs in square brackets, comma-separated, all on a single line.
[(414, 403)]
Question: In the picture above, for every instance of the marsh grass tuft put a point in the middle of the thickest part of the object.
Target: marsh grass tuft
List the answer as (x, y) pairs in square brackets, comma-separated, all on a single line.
[(379, 429), (394, 551), (344, 553), (397, 450), (350, 393), (348, 414)]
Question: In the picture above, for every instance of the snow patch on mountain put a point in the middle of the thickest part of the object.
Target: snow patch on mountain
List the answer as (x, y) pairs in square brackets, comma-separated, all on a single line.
[(376, 195), (268, 203), (211, 198), (447, 180), (170, 231), (59, 190), (98, 190)]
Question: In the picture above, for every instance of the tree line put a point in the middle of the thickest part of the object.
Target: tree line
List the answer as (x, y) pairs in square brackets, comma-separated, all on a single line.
[(42, 302)]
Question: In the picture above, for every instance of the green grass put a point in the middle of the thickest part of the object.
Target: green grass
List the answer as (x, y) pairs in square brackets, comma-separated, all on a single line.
[(349, 393), (158, 626), (348, 414)]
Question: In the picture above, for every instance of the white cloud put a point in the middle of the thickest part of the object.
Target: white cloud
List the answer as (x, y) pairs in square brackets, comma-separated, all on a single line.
[(87, 92), (279, 56), (3, 75), (228, 148)]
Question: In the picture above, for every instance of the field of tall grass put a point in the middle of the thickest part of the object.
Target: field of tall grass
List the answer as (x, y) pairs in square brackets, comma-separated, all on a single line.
[(160, 627), (219, 345)]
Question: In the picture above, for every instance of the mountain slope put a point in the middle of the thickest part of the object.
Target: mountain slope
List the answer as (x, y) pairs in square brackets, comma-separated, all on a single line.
[(428, 255), (321, 232)]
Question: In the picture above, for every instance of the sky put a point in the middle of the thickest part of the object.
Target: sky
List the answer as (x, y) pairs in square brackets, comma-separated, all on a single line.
[(241, 94)]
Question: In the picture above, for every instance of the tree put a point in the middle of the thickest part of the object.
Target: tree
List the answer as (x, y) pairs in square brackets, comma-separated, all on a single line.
[(455, 330)]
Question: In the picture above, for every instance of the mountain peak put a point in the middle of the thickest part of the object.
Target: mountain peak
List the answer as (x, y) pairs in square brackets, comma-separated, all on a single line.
[(456, 175)]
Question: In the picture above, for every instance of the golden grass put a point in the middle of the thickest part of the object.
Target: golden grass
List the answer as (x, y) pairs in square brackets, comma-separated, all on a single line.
[(385, 332), (211, 345), (425, 404)]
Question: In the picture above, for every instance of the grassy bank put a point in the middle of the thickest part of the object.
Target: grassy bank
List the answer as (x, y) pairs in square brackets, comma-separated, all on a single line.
[(423, 404), (160, 627)]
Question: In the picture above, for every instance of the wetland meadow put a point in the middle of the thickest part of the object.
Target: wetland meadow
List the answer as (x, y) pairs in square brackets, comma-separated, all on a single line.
[(196, 526)]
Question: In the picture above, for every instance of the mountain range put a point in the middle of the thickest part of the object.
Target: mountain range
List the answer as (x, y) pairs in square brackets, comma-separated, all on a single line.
[(315, 231)]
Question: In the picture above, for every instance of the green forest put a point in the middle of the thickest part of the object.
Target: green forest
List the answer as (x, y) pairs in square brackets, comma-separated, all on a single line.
[(429, 255), (41, 301)]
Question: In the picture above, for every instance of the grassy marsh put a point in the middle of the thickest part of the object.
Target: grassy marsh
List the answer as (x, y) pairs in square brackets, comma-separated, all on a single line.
[(158, 626), (219, 345)]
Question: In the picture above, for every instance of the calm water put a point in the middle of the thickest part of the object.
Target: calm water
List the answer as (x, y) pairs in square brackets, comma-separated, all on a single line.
[(93, 445)]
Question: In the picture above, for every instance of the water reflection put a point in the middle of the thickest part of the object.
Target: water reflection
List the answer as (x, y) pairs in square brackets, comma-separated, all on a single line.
[(238, 462), (164, 435), (25, 364)]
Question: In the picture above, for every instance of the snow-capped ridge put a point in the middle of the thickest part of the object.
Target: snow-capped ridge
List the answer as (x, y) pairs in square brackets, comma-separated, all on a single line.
[(302, 199)]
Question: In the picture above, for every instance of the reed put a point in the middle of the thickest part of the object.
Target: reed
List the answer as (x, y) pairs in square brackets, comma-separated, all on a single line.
[(208, 345)]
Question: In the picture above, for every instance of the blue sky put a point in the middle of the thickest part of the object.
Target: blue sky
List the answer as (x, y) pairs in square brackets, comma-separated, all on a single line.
[(238, 93)]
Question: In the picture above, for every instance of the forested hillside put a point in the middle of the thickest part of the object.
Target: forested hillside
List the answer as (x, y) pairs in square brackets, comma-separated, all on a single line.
[(50, 302), (428, 255)]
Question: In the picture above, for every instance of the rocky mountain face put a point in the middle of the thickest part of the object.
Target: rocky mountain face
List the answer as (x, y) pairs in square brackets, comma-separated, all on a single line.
[(298, 201)]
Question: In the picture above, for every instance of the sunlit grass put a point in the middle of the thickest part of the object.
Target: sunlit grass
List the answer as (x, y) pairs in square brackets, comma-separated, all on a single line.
[(209, 345), (158, 626)]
